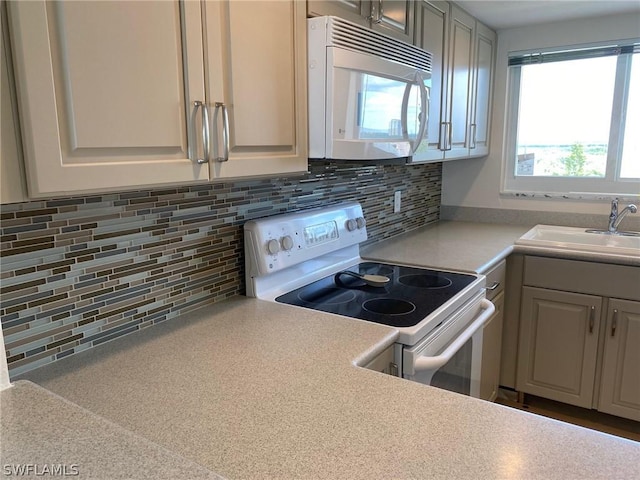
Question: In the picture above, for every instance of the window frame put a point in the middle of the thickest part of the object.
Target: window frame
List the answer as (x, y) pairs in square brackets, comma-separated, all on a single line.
[(555, 186)]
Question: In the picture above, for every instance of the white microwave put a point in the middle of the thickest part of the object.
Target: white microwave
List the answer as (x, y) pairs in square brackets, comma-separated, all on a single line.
[(368, 93)]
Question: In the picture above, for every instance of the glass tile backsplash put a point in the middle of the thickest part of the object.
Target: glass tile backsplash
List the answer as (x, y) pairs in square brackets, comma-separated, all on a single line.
[(80, 271)]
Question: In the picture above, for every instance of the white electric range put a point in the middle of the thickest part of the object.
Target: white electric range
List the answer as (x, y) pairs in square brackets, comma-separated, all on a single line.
[(298, 259)]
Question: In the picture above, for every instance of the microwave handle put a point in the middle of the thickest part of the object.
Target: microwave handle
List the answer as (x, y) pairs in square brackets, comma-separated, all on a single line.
[(433, 363), (424, 113), (404, 111)]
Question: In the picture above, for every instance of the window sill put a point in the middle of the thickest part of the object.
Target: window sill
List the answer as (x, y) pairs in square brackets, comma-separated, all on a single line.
[(568, 196)]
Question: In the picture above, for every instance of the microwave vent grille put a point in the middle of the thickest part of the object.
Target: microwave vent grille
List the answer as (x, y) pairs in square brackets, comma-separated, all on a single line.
[(351, 36)]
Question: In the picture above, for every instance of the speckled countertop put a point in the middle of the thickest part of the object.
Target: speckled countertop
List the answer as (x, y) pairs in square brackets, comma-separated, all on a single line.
[(464, 246), (471, 247), (253, 389), (44, 435)]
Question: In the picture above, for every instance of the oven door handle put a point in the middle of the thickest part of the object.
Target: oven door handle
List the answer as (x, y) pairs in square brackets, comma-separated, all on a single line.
[(433, 363)]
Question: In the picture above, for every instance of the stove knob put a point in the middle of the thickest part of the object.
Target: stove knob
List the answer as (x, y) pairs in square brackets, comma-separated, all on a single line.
[(273, 246), (287, 242), (351, 225), (360, 222)]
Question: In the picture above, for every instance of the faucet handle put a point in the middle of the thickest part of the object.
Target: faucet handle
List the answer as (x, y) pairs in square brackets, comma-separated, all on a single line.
[(614, 206)]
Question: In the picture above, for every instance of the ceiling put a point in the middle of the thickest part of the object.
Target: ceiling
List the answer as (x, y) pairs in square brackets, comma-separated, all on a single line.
[(501, 14)]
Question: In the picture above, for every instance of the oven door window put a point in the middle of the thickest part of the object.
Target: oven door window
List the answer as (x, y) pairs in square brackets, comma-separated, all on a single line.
[(455, 375)]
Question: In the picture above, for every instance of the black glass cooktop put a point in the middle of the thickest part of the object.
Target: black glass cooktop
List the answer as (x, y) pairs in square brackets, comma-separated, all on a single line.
[(409, 297)]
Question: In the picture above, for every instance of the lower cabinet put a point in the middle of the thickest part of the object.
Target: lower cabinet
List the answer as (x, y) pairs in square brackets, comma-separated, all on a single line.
[(558, 345), (580, 348), (491, 348), (620, 383), (492, 334)]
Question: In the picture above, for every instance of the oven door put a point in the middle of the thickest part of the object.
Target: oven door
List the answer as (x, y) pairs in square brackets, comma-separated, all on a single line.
[(450, 357)]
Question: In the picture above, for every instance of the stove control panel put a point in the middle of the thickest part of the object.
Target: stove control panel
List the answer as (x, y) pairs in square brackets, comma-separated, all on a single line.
[(278, 242)]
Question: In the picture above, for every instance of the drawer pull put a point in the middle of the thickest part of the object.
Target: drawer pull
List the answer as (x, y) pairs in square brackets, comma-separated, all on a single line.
[(614, 322), (493, 287), (592, 318)]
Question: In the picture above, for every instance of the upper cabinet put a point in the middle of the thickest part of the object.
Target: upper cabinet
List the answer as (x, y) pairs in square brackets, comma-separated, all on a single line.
[(257, 87), (12, 187), (462, 80), (392, 17), (103, 93), (482, 90), (116, 95)]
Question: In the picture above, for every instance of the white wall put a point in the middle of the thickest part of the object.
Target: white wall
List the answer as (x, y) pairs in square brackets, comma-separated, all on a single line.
[(477, 182)]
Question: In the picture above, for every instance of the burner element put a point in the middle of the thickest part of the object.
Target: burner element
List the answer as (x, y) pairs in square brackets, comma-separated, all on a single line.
[(388, 306), (327, 296), (425, 281), (375, 269)]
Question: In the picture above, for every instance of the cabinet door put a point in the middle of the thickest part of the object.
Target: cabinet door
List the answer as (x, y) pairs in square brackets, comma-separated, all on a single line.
[(620, 380), (458, 106), (394, 18), (391, 17), (558, 345), (432, 33), (355, 11), (491, 349), (12, 187), (257, 69), (480, 126), (104, 103)]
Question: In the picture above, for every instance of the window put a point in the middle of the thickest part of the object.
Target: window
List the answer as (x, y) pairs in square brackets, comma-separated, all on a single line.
[(574, 121)]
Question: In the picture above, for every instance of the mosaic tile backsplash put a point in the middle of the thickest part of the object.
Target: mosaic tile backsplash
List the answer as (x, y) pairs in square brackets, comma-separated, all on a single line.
[(80, 271)]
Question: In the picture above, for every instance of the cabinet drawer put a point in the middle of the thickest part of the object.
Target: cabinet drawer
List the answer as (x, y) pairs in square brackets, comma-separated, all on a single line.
[(496, 280), (603, 279)]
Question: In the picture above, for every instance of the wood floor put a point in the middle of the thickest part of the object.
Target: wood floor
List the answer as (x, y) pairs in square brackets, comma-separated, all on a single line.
[(621, 427)]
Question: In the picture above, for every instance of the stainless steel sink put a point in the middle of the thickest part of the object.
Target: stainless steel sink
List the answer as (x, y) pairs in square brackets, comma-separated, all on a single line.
[(585, 240)]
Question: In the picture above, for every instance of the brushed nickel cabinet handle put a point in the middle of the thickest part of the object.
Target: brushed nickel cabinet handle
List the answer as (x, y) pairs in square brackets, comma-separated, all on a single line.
[(205, 132), (443, 136), (473, 136), (225, 131), (375, 17), (614, 322), (445, 144)]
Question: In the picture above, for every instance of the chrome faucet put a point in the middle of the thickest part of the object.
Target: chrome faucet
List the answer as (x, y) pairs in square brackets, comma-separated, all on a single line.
[(615, 218)]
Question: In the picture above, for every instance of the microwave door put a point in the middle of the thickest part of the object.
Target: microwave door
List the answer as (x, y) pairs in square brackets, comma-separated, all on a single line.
[(365, 107), (367, 116)]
